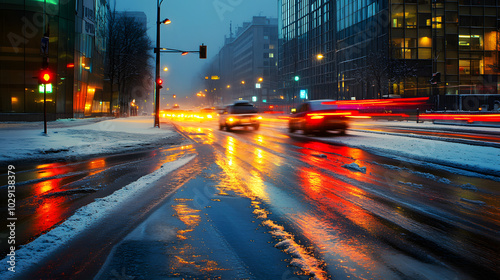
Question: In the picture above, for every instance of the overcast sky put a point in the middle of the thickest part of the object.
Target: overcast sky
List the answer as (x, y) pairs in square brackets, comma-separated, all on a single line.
[(194, 22)]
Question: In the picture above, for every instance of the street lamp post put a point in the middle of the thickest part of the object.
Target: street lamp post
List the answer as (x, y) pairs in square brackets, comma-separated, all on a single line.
[(157, 75)]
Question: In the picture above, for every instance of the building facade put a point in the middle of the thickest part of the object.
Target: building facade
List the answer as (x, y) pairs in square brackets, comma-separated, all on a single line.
[(246, 67), (90, 98), (381, 48), (23, 25), (76, 33)]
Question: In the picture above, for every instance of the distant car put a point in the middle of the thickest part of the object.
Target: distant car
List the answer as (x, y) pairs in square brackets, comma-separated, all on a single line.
[(241, 113), (208, 113), (318, 116)]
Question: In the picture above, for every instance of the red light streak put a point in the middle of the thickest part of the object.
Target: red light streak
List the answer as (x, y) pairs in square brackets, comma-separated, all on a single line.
[(463, 117)]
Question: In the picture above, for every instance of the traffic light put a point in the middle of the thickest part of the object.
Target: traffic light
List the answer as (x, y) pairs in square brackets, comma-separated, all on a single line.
[(159, 82), (436, 78), (45, 77), (203, 52)]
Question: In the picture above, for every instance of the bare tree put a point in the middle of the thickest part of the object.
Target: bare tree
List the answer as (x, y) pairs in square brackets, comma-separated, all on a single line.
[(129, 57)]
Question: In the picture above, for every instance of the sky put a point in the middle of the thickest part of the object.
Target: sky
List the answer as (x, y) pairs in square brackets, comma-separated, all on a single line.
[(194, 22)]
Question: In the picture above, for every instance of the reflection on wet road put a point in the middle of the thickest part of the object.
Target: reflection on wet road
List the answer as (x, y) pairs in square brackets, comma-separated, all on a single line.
[(47, 194), (342, 212)]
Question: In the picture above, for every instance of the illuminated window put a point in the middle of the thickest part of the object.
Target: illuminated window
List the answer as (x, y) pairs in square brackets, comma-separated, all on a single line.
[(473, 42), (464, 67), (411, 16), (437, 22), (424, 42), (424, 53)]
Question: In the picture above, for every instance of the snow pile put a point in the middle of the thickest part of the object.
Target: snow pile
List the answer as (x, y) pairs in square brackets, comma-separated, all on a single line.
[(301, 258), (355, 167), (108, 136), (85, 217)]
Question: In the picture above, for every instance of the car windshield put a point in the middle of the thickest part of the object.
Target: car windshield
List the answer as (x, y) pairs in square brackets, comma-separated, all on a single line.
[(242, 109), (316, 106)]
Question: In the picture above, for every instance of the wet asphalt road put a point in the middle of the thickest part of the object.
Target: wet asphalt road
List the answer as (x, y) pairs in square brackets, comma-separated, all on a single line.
[(267, 205)]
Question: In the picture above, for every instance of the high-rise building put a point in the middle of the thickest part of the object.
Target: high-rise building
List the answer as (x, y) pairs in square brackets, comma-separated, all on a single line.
[(246, 66), (382, 48)]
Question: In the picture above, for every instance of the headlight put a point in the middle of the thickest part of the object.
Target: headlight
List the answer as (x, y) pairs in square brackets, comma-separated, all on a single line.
[(230, 120)]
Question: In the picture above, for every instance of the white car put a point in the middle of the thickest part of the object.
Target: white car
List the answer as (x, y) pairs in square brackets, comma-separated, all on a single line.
[(241, 113)]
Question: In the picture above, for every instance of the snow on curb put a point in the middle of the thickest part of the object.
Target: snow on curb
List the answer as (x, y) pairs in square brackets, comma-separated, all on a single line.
[(300, 256), (32, 253)]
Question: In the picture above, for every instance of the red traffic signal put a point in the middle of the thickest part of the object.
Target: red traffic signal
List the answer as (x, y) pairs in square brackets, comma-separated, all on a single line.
[(159, 83), (45, 77)]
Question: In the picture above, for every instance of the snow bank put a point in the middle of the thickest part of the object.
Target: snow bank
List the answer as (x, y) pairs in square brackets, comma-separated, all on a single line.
[(76, 138), (32, 253)]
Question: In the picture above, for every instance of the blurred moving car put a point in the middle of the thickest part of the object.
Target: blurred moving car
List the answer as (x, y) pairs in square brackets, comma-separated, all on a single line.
[(241, 113), (320, 116), (208, 113)]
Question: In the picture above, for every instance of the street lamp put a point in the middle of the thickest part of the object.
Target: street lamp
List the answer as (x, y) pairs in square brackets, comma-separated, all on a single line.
[(320, 56), (157, 51)]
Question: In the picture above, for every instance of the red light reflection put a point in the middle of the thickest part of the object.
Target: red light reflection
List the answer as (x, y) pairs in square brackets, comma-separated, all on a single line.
[(50, 170), (48, 209)]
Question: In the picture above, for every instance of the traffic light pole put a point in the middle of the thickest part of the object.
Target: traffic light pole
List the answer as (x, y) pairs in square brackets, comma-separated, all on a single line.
[(45, 109), (157, 50)]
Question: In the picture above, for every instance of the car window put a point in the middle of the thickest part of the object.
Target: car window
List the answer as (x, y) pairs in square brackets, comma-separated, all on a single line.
[(242, 109)]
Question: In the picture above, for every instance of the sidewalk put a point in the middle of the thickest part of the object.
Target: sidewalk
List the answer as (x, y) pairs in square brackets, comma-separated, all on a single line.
[(72, 139)]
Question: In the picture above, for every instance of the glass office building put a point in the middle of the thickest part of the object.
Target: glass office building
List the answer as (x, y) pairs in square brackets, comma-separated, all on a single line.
[(457, 38), (23, 24), (76, 32)]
